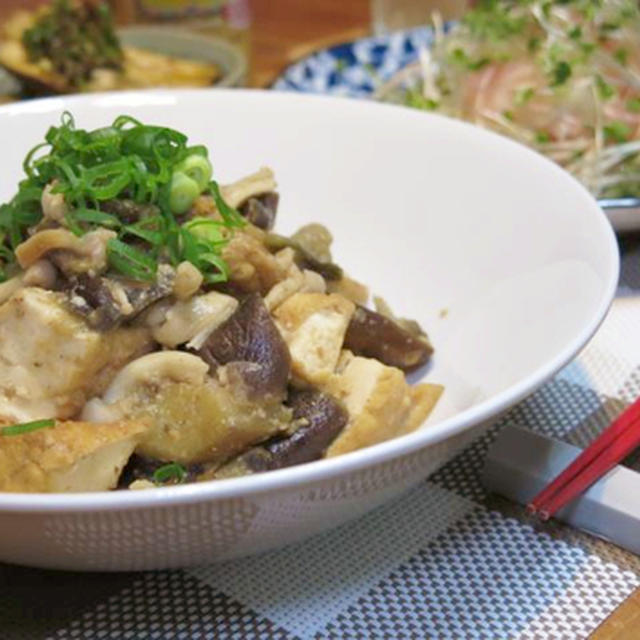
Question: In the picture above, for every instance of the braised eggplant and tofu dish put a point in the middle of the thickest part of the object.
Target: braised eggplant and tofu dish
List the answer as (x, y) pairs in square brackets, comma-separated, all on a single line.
[(155, 330)]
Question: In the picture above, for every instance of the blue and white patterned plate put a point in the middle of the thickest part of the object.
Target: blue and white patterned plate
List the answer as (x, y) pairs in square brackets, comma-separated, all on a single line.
[(355, 69)]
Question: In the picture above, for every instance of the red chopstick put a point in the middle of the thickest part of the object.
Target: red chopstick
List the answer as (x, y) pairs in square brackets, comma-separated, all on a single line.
[(614, 444)]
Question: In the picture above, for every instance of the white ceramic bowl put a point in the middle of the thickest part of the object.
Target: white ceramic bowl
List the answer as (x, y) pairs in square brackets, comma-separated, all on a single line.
[(435, 215)]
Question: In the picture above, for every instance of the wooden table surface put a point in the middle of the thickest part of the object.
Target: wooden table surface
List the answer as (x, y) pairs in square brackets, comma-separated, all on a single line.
[(283, 31)]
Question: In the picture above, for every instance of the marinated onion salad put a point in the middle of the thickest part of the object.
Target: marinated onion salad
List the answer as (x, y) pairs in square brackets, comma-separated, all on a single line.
[(562, 76)]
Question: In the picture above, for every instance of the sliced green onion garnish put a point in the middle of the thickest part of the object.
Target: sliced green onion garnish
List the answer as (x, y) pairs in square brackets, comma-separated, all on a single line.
[(171, 471), (230, 216), (122, 121), (27, 427), (182, 192), (72, 224), (130, 262), (222, 269), (150, 229), (96, 217), (147, 164), (207, 229), (198, 168)]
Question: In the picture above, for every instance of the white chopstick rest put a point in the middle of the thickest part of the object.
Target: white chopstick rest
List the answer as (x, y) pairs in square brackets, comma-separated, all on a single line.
[(521, 463)]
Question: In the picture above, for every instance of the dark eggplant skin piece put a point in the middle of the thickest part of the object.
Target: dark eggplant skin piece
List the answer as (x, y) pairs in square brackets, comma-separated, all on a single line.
[(128, 210), (251, 347), (328, 270), (321, 418), (373, 335), (93, 298), (261, 210)]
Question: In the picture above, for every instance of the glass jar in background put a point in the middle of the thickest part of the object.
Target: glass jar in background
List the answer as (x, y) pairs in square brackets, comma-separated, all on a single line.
[(392, 15), (226, 19)]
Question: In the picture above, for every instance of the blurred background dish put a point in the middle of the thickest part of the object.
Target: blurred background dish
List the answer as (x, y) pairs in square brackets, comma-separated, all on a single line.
[(561, 77), (229, 60), (227, 20), (70, 46), (355, 69), (9, 87)]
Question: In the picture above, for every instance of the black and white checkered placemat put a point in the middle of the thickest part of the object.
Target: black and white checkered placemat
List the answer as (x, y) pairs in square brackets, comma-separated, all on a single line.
[(453, 562)]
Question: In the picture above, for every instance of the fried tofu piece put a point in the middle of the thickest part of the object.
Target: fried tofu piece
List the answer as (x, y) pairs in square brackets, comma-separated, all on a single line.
[(192, 321), (380, 403), (69, 457), (305, 281), (193, 417), (313, 326), (51, 360), (251, 266), (205, 423), (350, 289)]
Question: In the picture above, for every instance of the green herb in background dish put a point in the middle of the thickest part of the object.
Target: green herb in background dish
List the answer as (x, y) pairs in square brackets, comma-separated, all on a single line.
[(633, 105), (560, 73), (76, 37), (522, 96), (26, 427), (489, 21), (147, 165), (622, 56), (605, 90), (533, 44), (172, 472), (542, 137), (459, 56), (575, 33), (617, 131), (415, 99)]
